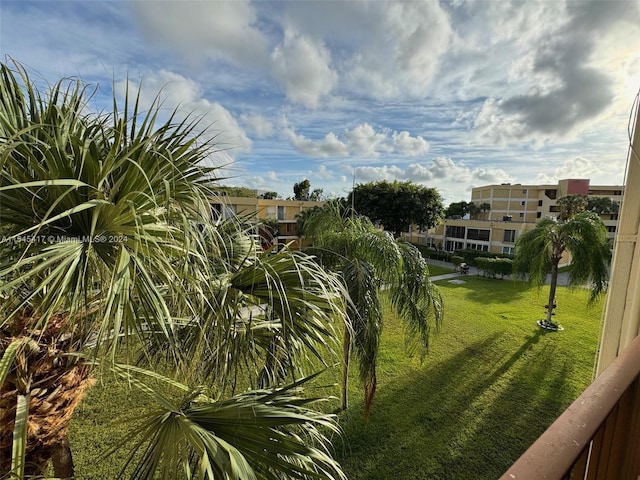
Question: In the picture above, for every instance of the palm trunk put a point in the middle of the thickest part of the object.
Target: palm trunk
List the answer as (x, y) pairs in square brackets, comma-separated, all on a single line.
[(56, 384), (346, 353), (552, 291)]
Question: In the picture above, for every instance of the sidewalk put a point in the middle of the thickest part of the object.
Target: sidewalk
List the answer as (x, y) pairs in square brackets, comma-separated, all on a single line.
[(563, 277)]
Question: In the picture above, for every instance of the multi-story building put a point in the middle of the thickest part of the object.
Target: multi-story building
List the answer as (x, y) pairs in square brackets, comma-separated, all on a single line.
[(507, 211), (259, 209)]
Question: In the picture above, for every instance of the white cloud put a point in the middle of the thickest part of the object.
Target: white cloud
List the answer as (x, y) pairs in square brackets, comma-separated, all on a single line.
[(211, 29), (323, 173), (182, 94), (258, 125), (362, 141), (303, 68), (566, 86), (577, 167)]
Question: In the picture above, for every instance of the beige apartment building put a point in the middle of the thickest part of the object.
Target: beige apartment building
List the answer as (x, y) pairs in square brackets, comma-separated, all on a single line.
[(510, 210), (284, 211)]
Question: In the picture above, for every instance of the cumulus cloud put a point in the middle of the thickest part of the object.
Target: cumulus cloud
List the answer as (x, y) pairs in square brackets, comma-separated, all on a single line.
[(213, 29), (175, 92), (571, 91), (577, 167), (440, 169), (362, 141), (302, 66), (258, 125)]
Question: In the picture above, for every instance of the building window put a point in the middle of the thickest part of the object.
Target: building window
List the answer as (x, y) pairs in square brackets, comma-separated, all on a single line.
[(539, 203), (523, 203), (271, 211), (524, 191), (478, 246), (478, 234), (508, 250), (539, 215), (281, 213), (509, 236), (555, 208), (454, 231), (452, 246), (611, 228), (551, 194), (521, 214)]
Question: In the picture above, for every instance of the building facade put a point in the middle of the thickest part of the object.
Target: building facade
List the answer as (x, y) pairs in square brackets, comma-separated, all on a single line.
[(260, 209), (507, 211)]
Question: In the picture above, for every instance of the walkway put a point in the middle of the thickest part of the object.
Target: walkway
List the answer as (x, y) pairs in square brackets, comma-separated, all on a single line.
[(563, 277)]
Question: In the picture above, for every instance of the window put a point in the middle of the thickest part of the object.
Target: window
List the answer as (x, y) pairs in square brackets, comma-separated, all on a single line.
[(477, 234), (611, 228), (280, 213), (555, 208), (478, 246), (539, 215), (509, 236), (539, 203), (523, 203), (524, 191), (551, 194), (455, 232), (452, 246), (271, 211), (508, 250), (521, 214)]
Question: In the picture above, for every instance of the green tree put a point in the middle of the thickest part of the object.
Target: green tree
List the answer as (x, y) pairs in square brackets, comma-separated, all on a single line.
[(367, 259), (109, 256), (571, 205), (237, 191), (457, 209), (301, 190), (584, 237), (602, 205), (316, 195), (397, 205), (270, 195)]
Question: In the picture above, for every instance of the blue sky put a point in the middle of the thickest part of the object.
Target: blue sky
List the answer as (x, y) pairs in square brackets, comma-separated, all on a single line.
[(451, 95)]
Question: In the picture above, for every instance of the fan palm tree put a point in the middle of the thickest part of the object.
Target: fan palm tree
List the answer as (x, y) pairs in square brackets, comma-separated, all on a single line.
[(109, 252), (367, 260), (584, 237)]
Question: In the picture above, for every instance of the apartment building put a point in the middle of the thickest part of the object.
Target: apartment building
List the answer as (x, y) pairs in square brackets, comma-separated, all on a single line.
[(507, 211), (259, 209)]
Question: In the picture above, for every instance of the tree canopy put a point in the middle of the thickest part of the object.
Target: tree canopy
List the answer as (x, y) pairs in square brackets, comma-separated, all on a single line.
[(301, 190), (237, 191), (397, 205), (583, 236), (602, 205)]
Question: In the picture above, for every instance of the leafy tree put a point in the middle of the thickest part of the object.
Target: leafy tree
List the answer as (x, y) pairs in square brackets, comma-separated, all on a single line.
[(367, 258), (457, 209), (602, 205), (110, 257), (538, 252), (270, 195), (571, 205), (301, 190), (238, 191), (397, 205), (316, 195)]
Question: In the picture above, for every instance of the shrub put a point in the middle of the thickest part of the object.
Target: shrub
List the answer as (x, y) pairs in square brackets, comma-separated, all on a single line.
[(456, 260), (492, 267)]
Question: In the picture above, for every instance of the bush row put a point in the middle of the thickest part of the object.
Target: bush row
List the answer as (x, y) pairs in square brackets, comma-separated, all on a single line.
[(492, 267)]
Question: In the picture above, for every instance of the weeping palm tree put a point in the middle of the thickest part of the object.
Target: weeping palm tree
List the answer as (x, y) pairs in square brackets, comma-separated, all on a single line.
[(369, 259), (539, 252), (109, 253)]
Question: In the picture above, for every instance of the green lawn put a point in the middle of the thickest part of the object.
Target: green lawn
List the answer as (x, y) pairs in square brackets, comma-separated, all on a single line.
[(490, 384), (437, 270)]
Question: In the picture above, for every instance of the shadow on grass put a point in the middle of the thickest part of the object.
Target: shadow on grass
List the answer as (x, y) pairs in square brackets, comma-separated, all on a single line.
[(469, 416), (489, 290)]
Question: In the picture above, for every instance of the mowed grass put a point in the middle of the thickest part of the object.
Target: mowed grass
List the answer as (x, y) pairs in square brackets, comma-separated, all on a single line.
[(490, 385)]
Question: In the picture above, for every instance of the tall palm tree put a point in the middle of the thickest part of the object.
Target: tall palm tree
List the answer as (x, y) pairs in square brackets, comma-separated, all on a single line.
[(368, 260), (109, 254), (584, 237)]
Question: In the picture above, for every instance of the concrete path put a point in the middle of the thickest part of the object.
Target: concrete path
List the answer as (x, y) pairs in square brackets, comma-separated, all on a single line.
[(563, 277)]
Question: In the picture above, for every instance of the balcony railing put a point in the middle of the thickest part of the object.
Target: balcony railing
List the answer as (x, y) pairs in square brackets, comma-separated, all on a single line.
[(598, 436)]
